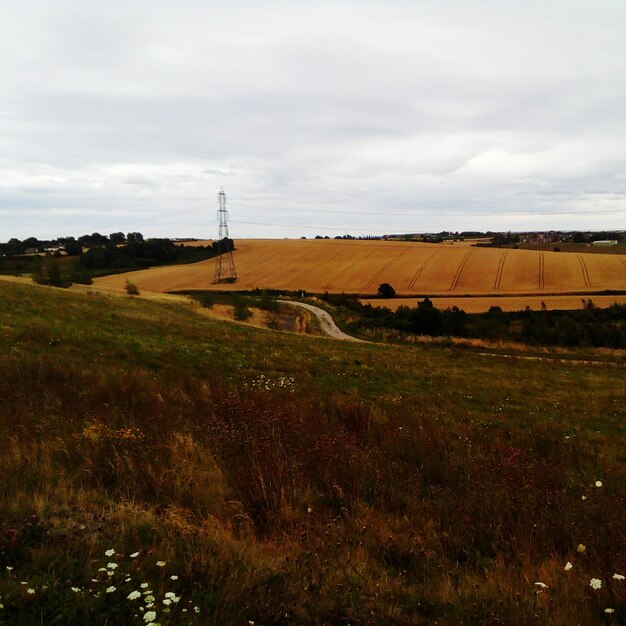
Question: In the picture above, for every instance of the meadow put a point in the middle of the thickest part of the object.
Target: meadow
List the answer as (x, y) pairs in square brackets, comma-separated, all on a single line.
[(350, 266), (164, 467)]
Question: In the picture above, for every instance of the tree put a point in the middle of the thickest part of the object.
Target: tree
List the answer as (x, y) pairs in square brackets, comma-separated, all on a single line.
[(134, 237), (117, 238), (385, 290), (73, 248)]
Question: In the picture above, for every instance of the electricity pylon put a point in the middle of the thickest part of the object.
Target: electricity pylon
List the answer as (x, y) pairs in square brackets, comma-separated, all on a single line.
[(225, 264)]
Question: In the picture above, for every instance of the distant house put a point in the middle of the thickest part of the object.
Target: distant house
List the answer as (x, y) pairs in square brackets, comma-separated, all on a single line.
[(604, 242)]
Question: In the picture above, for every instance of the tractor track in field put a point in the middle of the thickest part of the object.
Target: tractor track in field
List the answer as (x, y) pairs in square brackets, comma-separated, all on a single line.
[(459, 271), (584, 270), (542, 271), (421, 268), (498, 280)]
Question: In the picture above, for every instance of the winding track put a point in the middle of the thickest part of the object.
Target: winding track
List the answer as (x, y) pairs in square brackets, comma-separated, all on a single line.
[(327, 324)]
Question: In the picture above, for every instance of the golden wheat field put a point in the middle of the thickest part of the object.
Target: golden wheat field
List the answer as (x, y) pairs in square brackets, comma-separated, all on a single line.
[(480, 304), (411, 268)]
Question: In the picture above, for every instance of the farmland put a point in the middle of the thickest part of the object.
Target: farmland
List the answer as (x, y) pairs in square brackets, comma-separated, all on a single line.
[(412, 268), (276, 478)]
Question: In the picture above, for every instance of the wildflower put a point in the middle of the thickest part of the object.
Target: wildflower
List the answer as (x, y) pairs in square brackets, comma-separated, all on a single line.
[(584, 497), (149, 599), (568, 566), (30, 590), (110, 552), (76, 589), (618, 577), (149, 616), (170, 594), (111, 565), (144, 585), (174, 577), (9, 568), (167, 602), (134, 555), (133, 595), (196, 609), (102, 569), (542, 585), (127, 580), (309, 510), (160, 563), (595, 583), (110, 589), (609, 610), (581, 548), (598, 483)]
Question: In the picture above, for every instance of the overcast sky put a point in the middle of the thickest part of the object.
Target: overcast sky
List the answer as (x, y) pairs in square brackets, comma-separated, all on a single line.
[(316, 117)]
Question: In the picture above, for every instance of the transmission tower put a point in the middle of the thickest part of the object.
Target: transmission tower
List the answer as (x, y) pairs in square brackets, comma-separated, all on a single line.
[(225, 265)]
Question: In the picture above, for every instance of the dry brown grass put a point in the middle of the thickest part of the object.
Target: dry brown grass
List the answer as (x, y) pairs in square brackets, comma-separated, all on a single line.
[(412, 268)]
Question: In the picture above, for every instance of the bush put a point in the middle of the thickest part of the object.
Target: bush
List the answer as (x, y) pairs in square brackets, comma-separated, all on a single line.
[(385, 290), (241, 312), (131, 288)]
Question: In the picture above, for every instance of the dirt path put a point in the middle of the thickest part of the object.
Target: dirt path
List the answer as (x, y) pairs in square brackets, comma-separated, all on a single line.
[(327, 323)]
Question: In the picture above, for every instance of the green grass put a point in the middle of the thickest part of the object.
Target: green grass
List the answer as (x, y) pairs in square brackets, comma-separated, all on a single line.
[(290, 479)]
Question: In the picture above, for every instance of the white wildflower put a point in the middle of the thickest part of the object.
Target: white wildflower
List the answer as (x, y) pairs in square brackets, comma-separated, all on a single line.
[(110, 552), (133, 595), (584, 497), (542, 585), (149, 599), (595, 583), (618, 577), (581, 548), (174, 577), (196, 609), (9, 568), (112, 565), (167, 602), (609, 611), (598, 483), (144, 585), (134, 555), (30, 590), (568, 566), (160, 563), (110, 589), (76, 589), (149, 616)]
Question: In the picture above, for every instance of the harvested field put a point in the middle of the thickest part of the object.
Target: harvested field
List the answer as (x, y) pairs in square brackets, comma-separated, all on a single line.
[(507, 303), (412, 268)]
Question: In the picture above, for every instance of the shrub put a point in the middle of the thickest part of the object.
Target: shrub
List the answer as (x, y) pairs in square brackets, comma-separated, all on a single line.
[(131, 288)]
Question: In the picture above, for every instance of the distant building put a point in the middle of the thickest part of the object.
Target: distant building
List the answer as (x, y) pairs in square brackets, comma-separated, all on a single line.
[(604, 242)]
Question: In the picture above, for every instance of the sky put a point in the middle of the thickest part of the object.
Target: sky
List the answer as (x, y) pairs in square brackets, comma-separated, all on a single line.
[(327, 118)]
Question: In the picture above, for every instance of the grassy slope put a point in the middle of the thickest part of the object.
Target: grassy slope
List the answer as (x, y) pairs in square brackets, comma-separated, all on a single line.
[(441, 484)]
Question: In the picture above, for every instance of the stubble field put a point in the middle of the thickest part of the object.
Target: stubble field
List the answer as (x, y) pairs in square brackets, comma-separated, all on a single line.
[(360, 267)]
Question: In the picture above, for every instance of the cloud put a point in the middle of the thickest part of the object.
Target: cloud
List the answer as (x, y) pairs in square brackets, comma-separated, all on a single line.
[(489, 115)]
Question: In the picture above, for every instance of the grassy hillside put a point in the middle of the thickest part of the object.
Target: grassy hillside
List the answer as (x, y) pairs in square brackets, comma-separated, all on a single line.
[(278, 479), (412, 268)]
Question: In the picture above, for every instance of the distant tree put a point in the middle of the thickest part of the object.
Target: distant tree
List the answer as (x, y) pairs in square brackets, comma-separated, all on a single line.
[(134, 237), (385, 290), (117, 238), (97, 239), (73, 248)]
